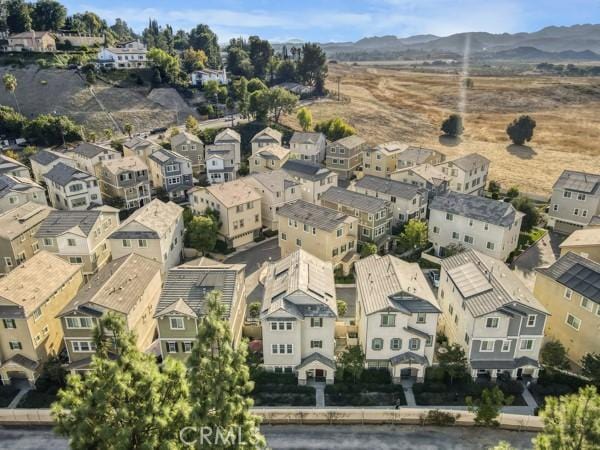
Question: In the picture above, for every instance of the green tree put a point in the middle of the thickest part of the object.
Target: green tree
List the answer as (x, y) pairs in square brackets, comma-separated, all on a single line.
[(494, 189), (29, 151), (260, 52), (128, 127), (351, 363), (256, 84), (571, 422), (18, 18), (203, 38), (513, 192), (108, 133), (590, 366), (554, 355), (202, 234), (48, 15), (453, 249), (414, 235), (532, 215), (49, 129), (88, 22), (254, 309), (238, 60), (503, 445), (453, 361), (124, 401), (335, 129), (342, 308), (488, 407), (281, 101), (304, 117), (11, 122), (521, 130), (453, 125), (191, 124), (10, 84), (211, 90), (259, 105), (193, 60), (220, 380), (168, 65), (368, 249), (312, 68), (240, 91), (286, 71)]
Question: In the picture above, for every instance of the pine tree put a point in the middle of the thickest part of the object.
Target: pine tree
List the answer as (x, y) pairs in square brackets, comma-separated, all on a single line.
[(220, 383), (125, 401)]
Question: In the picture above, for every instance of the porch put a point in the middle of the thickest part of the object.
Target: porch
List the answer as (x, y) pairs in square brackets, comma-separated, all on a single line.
[(19, 368), (316, 367)]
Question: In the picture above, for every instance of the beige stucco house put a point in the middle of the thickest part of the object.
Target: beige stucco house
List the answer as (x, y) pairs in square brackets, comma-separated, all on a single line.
[(468, 174), (16, 191), (267, 158), (585, 242), (125, 181), (415, 156), (381, 160), (267, 136), (31, 41)]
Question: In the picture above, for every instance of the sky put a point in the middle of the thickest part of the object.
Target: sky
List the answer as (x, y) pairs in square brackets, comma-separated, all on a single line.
[(345, 20)]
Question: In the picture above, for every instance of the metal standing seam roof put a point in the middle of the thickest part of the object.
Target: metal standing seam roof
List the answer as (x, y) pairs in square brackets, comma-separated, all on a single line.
[(63, 174), (18, 220), (388, 186), (90, 150), (469, 162), (578, 181), (306, 169), (59, 222), (475, 207), (317, 216), (118, 286), (351, 199), (507, 289), (385, 282), (580, 274)]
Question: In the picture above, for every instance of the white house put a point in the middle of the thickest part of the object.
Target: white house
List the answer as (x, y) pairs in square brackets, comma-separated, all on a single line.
[(88, 156), (44, 160), (72, 189), (129, 55), (199, 77), (9, 166), (468, 174), (397, 316), (16, 191), (470, 221), (298, 317)]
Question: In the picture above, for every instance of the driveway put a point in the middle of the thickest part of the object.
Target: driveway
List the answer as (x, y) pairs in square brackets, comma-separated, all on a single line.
[(255, 257), (544, 253)]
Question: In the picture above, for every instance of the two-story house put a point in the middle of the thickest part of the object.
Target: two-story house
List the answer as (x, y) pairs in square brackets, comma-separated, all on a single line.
[(313, 178), (374, 214), (491, 314), (9, 166), (267, 158), (381, 160), (407, 200), (126, 182), (88, 156), (128, 55), (31, 296), (183, 303), (16, 191), (415, 156), (44, 160), (128, 287), (468, 174), (276, 188), (239, 207), (72, 189), (267, 136), (298, 315), (154, 231), (585, 242), (17, 234), (575, 200), (570, 291), (171, 172), (200, 77), (31, 41), (462, 220), (425, 176), (191, 147), (80, 236), (324, 232), (345, 155), (397, 316), (308, 146)]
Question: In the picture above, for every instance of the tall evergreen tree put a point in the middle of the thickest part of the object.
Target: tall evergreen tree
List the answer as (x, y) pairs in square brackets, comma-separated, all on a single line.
[(203, 38), (18, 16), (48, 15), (220, 382), (125, 401)]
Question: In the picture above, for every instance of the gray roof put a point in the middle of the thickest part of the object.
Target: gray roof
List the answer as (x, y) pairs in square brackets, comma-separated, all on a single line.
[(90, 150), (487, 284), (8, 164), (9, 183), (503, 363), (418, 155), (475, 207), (228, 135), (317, 216), (409, 357), (191, 283), (22, 361), (183, 137), (350, 141), (356, 200), (60, 221), (318, 357), (470, 161), (44, 157), (306, 138), (267, 134), (388, 186), (274, 180), (577, 273), (578, 181), (306, 169), (164, 156), (18, 220), (62, 174)]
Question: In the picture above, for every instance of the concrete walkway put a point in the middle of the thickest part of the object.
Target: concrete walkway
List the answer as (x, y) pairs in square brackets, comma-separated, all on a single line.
[(15, 401), (320, 394), (408, 393), (531, 403)]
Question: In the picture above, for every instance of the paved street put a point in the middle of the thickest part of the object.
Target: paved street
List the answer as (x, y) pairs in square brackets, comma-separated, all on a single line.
[(346, 437), (544, 253), (257, 255)]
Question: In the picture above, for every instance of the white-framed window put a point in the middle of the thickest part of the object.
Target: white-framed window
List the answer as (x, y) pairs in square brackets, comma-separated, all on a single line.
[(10, 324), (429, 341), (126, 243), (377, 344), (37, 314), (468, 239), (581, 197), (567, 194), (388, 320), (316, 322), (187, 346), (396, 344), (8, 261), (492, 322), (83, 346), (48, 242), (436, 230), (505, 346), (449, 216), (414, 344), (15, 345), (531, 319), (455, 235), (79, 322), (487, 345), (568, 293), (176, 323), (490, 245), (586, 303), (339, 232), (283, 237), (573, 321), (421, 317), (299, 242), (282, 349), (75, 259), (71, 242), (171, 347), (316, 344), (142, 243), (281, 326)]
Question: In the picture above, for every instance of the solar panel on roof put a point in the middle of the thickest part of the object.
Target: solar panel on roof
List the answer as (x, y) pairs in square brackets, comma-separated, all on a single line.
[(582, 280), (469, 280)]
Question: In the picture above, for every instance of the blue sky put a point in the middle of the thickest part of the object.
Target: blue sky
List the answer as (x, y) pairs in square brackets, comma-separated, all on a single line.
[(339, 20)]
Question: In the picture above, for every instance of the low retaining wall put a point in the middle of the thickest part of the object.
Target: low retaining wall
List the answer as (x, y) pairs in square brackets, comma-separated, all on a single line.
[(329, 416)]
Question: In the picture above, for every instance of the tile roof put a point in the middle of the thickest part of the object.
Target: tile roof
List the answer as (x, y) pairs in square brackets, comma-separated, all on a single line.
[(469, 162), (62, 174), (10, 183), (228, 135), (577, 273), (125, 164), (356, 200), (306, 138), (182, 137), (350, 141), (585, 237), (233, 193), (60, 221), (15, 222), (306, 169), (507, 289), (157, 216), (389, 282), (317, 216), (268, 133), (578, 181), (118, 286), (32, 282), (89, 150), (275, 180), (388, 186), (475, 207)]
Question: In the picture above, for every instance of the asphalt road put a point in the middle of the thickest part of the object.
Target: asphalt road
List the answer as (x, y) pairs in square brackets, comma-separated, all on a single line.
[(346, 437), (256, 256)]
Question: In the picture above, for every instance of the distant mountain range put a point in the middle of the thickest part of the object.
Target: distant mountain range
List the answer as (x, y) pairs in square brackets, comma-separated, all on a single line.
[(579, 42)]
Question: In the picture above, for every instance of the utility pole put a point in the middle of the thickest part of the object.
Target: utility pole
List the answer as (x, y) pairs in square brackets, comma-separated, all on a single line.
[(338, 83)]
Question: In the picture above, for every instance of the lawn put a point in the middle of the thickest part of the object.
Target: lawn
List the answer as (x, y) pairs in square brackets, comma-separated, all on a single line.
[(528, 238), (7, 393), (373, 388)]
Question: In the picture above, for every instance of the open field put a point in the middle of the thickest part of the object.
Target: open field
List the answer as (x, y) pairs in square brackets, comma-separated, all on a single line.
[(393, 104)]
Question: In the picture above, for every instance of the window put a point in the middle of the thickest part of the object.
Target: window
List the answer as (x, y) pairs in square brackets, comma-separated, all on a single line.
[(79, 322), (71, 242), (467, 339), (449, 216), (377, 344), (455, 235), (37, 314), (299, 242), (75, 260), (281, 326), (396, 344), (316, 344), (490, 245), (573, 321), (15, 345), (429, 341), (187, 347), (388, 320), (282, 349), (531, 318), (283, 237), (554, 207), (492, 322), (76, 187), (176, 323), (505, 346), (83, 346), (171, 347), (339, 232), (526, 344), (486, 346), (581, 197), (316, 322), (414, 344), (421, 317), (126, 243), (586, 303), (568, 293), (142, 243), (468, 239), (9, 323), (576, 212), (436, 230), (567, 194)]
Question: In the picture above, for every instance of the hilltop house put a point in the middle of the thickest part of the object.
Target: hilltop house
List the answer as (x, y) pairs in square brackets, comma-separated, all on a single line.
[(314, 179), (129, 55), (31, 41), (345, 156), (308, 146), (125, 181), (16, 191), (200, 77), (72, 189), (171, 172)]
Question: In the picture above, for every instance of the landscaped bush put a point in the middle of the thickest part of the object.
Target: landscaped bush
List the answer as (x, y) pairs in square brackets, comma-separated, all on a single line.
[(221, 247), (270, 233), (37, 400), (280, 389), (439, 418), (267, 377), (511, 387), (376, 376), (259, 238), (554, 384)]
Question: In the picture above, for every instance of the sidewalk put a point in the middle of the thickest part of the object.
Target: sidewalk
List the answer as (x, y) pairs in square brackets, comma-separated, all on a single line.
[(408, 393)]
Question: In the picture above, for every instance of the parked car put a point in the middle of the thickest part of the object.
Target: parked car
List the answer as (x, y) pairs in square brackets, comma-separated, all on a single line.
[(434, 275)]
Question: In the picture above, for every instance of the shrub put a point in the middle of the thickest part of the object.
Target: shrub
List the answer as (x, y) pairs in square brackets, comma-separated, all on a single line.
[(376, 376), (270, 233), (267, 377), (439, 418), (511, 387), (259, 238)]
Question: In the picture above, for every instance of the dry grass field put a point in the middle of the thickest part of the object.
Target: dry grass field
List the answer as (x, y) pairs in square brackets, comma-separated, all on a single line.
[(393, 104)]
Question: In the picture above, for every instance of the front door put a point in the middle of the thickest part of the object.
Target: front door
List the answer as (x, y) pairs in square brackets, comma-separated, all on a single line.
[(519, 373), (319, 375)]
